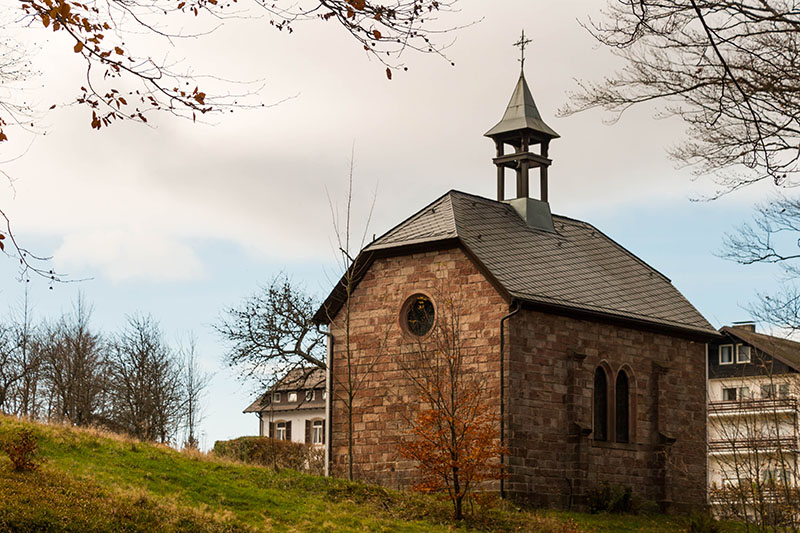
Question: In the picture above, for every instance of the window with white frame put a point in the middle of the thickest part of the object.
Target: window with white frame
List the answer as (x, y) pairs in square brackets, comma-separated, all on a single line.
[(729, 395), (742, 353), (309, 395), (726, 354), (280, 430), (276, 397), (292, 397), (769, 391), (324, 394), (783, 390), (316, 432)]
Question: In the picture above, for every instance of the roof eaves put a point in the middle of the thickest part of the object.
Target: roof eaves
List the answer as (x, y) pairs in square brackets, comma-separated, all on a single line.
[(759, 341), (630, 318)]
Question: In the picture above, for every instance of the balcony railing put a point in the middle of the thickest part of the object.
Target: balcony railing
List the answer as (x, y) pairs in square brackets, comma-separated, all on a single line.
[(764, 405), (748, 445)]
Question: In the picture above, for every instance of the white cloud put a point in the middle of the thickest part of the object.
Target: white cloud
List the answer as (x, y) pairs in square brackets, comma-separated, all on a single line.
[(122, 255)]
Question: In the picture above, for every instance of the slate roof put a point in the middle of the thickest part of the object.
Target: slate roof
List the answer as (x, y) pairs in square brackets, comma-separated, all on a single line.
[(521, 114), (784, 350), (578, 267), (295, 379)]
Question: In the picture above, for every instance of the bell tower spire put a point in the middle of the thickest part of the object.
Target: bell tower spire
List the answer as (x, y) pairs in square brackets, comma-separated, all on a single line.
[(522, 128)]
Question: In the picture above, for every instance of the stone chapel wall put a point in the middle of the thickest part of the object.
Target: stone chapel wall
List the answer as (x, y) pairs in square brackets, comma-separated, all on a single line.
[(554, 458), (379, 408)]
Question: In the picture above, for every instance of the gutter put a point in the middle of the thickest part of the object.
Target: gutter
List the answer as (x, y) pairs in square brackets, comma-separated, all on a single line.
[(503, 397), (328, 401)]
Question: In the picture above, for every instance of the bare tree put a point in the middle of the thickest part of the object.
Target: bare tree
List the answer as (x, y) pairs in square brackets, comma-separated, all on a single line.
[(347, 376), (74, 368), (271, 334), (146, 393), (195, 383), (10, 371), (25, 397), (729, 69)]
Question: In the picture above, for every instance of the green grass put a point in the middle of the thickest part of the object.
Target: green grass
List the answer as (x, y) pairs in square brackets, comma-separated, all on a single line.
[(95, 481)]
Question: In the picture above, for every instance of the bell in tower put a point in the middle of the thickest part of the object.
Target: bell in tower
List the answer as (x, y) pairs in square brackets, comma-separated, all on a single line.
[(523, 129)]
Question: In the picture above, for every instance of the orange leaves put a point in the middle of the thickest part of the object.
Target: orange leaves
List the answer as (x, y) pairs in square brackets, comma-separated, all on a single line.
[(78, 47), (376, 34), (388, 73), (2, 245)]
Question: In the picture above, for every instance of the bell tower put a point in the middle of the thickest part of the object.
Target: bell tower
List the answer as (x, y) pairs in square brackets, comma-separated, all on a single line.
[(523, 129)]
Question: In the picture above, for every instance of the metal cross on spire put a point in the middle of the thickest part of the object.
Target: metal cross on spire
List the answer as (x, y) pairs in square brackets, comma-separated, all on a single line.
[(522, 43)]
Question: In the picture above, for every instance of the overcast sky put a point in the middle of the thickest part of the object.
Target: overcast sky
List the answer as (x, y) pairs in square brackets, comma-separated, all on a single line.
[(181, 220)]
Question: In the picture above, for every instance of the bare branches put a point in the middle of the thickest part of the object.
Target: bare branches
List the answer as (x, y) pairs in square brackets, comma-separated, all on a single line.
[(272, 333), (728, 69), (97, 33), (772, 238), (452, 433), (28, 262), (383, 31)]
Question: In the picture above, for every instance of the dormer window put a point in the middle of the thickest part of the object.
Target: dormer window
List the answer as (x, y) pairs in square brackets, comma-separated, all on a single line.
[(292, 397), (276, 397), (726, 354), (309, 395), (742, 353)]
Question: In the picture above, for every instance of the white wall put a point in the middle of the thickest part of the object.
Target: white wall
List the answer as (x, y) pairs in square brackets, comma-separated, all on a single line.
[(297, 418)]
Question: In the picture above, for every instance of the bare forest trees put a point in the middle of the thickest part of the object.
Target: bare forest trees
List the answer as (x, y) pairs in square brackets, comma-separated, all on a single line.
[(146, 396), (131, 382), (728, 69), (74, 368)]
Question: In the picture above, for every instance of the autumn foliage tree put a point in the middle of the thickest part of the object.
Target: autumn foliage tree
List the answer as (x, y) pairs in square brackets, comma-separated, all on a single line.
[(115, 42), (453, 435)]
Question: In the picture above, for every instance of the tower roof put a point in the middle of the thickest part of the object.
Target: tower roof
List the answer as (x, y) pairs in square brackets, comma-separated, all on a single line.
[(522, 114)]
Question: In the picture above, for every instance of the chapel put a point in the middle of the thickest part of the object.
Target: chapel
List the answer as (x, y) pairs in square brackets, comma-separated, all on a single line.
[(594, 363)]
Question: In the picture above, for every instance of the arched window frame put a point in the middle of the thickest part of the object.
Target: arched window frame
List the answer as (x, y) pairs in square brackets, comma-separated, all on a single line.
[(622, 406), (601, 403)]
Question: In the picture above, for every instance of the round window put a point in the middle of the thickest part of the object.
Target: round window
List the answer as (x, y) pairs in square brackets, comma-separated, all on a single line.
[(419, 315)]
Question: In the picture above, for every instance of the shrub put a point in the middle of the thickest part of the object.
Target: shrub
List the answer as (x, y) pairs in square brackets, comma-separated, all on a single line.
[(21, 448), (270, 452), (610, 498)]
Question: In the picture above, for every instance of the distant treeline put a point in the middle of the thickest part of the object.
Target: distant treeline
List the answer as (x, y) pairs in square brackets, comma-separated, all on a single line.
[(131, 381)]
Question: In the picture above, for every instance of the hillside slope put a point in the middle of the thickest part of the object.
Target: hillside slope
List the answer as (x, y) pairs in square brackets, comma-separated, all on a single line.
[(94, 481)]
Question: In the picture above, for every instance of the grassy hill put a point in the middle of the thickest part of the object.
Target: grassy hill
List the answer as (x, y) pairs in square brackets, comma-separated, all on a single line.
[(94, 481)]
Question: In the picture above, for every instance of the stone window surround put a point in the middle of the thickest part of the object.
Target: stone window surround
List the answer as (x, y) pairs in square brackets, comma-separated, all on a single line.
[(611, 380)]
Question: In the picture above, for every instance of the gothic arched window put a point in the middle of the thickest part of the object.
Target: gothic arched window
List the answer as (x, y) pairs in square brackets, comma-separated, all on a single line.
[(622, 408), (600, 431)]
